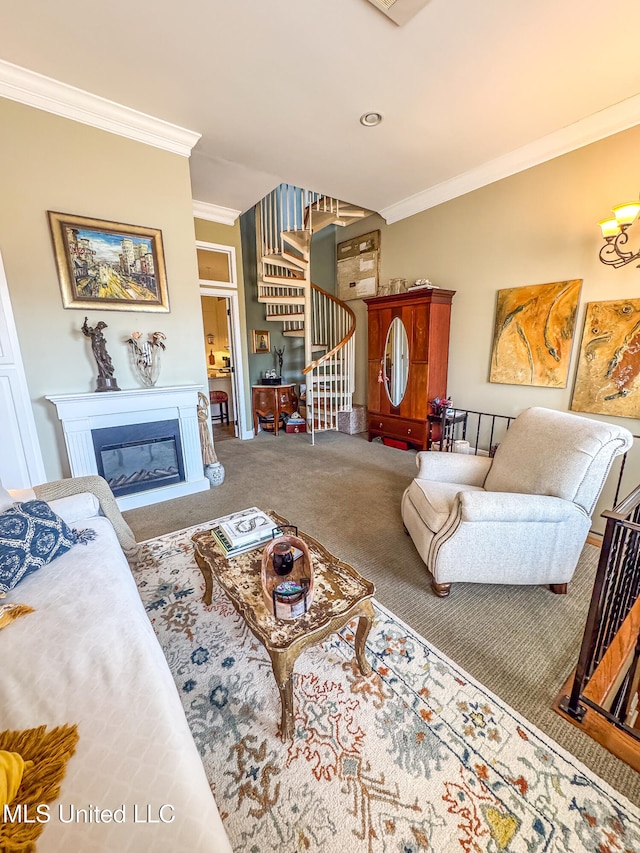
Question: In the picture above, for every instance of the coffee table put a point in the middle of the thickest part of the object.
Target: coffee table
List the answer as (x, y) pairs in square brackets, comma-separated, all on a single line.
[(340, 595)]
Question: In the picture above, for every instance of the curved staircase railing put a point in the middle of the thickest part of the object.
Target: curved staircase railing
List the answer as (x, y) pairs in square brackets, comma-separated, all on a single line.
[(331, 377), (286, 219)]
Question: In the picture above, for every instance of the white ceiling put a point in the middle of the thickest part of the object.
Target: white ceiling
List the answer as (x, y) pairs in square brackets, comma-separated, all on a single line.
[(469, 90)]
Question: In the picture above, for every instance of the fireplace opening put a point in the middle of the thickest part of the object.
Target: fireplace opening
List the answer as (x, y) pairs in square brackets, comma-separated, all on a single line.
[(139, 457)]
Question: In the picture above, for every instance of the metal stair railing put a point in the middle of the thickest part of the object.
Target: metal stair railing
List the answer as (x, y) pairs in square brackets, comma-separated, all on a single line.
[(614, 610)]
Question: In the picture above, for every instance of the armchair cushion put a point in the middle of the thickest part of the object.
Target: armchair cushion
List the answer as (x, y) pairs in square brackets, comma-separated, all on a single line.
[(506, 506)]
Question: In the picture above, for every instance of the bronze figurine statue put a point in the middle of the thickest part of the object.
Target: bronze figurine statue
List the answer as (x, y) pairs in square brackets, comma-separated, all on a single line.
[(279, 353), (106, 380)]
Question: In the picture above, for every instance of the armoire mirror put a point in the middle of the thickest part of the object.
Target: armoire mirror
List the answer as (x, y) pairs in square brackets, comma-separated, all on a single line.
[(396, 361)]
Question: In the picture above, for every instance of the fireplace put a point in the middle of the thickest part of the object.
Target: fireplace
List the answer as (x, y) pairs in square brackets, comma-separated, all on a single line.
[(140, 456), (145, 442)]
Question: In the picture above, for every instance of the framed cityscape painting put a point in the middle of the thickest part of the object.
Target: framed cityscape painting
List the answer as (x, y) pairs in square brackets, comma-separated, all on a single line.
[(533, 334), (109, 265), (608, 375)]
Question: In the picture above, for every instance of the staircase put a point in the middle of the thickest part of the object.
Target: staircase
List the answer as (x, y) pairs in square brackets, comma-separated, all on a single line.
[(286, 220)]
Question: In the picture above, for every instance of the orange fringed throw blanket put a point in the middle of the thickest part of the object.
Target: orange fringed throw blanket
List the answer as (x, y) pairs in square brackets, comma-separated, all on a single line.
[(45, 755)]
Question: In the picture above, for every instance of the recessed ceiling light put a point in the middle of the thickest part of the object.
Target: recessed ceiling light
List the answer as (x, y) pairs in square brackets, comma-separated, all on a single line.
[(370, 119)]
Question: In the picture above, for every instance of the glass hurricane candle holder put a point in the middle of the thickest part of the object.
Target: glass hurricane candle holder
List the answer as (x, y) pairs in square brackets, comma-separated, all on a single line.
[(146, 356)]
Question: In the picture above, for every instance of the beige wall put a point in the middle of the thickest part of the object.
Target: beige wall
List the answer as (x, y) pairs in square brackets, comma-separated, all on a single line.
[(51, 163), (536, 227)]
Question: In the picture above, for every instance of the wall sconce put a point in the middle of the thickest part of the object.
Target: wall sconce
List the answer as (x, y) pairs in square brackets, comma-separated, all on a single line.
[(615, 234), (210, 339)]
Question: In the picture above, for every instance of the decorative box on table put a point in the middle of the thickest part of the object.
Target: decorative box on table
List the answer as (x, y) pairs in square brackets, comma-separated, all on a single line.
[(354, 421)]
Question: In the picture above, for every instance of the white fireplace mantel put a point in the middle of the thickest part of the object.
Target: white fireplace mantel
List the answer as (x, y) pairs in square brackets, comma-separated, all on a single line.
[(82, 413)]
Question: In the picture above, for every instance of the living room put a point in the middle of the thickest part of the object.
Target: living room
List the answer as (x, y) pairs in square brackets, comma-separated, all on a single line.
[(534, 226)]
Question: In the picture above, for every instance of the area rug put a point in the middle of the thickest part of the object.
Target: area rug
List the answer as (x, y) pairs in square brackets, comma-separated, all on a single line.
[(416, 757)]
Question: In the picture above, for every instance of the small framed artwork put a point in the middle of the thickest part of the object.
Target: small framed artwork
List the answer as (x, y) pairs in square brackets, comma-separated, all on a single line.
[(109, 265), (261, 340)]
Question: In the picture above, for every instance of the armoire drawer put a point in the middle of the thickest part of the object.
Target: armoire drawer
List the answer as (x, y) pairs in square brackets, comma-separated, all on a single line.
[(413, 431)]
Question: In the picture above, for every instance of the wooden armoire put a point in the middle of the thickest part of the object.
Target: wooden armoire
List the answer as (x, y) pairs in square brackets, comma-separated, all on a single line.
[(406, 373)]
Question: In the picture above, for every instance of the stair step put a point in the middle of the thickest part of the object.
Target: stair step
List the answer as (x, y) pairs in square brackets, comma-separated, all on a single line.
[(322, 219), (284, 280), (281, 300), (300, 240), (290, 315), (286, 260), (352, 211), (343, 221)]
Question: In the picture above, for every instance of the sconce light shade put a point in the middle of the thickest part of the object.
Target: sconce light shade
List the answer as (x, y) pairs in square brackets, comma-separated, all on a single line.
[(616, 236), (627, 213), (609, 228)]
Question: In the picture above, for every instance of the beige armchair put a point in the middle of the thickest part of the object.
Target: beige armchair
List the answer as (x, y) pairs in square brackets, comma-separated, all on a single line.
[(521, 517)]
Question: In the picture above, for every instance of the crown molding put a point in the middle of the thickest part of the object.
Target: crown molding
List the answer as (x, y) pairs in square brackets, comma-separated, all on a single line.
[(215, 213), (598, 126), (44, 93)]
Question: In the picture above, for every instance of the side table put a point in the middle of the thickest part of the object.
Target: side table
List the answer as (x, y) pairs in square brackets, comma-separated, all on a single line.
[(272, 400)]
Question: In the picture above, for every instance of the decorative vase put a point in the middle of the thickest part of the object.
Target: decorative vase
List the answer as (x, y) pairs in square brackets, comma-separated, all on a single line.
[(148, 369), (214, 473), (145, 356), (282, 558)]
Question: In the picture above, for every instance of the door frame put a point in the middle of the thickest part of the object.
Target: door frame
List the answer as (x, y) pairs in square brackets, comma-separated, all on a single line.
[(229, 290)]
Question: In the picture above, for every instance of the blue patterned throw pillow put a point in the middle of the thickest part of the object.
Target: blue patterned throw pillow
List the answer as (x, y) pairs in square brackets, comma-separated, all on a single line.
[(31, 535)]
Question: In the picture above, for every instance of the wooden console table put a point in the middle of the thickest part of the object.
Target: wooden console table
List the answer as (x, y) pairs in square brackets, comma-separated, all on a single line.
[(272, 400)]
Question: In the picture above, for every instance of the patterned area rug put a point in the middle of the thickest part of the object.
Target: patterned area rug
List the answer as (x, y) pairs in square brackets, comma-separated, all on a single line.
[(416, 757)]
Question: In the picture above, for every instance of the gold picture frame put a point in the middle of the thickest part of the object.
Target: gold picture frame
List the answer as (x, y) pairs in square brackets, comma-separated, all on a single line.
[(108, 265), (261, 340)]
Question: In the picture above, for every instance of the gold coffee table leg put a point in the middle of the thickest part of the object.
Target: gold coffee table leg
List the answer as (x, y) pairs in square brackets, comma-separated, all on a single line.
[(364, 626), (205, 568), (282, 663)]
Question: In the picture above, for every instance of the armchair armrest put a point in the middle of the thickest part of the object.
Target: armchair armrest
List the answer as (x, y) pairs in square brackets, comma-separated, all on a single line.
[(453, 467), (514, 507)]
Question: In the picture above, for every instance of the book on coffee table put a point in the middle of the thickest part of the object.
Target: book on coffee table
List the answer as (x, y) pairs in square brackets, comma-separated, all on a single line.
[(242, 531)]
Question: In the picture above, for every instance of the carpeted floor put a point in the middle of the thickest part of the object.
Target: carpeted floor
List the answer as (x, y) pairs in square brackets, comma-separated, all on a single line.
[(414, 756), (519, 642)]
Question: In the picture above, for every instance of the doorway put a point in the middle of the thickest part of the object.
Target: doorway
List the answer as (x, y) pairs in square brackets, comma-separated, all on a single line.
[(223, 397), (217, 273)]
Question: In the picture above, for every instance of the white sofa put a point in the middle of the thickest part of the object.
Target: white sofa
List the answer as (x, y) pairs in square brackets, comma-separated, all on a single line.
[(88, 655)]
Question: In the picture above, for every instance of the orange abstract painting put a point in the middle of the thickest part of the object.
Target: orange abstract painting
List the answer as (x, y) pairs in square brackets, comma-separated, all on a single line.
[(533, 334), (608, 377)]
